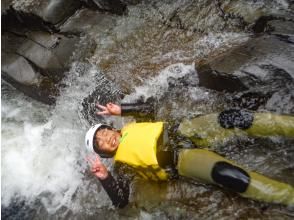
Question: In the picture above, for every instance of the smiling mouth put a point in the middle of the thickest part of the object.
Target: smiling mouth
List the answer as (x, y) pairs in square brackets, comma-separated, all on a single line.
[(113, 142)]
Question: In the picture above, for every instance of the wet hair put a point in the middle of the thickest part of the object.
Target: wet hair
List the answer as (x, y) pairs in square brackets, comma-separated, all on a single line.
[(96, 146)]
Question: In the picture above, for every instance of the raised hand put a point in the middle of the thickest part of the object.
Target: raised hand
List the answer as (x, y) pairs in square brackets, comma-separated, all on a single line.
[(109, 109), (97, 167)]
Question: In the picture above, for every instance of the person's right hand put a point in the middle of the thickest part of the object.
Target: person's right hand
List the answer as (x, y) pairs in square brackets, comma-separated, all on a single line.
[(97, 167), (109, 109)]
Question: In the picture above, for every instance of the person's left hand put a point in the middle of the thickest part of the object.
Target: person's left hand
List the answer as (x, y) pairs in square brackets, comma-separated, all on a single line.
[(97, 167), (109, 109)]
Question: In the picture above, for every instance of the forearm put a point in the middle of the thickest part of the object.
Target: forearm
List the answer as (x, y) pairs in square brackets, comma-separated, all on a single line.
[(140, 109), (117, 190)]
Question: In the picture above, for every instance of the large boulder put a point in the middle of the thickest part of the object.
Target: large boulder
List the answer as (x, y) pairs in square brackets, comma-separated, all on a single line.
[(49, 52), (20, 73), (250, 64), (19, 68), (263, 66), (36, 61)]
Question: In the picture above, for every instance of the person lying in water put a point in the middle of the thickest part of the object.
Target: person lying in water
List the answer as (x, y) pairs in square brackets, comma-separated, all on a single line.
[(143, 149)]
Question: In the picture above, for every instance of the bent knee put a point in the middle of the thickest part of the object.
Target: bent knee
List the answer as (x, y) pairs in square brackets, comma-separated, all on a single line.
[(230, 176)]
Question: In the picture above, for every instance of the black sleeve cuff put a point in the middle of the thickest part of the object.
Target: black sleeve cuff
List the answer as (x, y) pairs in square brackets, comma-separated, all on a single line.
[(140, 109)]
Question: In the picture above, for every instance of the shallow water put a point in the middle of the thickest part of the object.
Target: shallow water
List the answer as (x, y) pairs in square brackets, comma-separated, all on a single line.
[(44, 173)]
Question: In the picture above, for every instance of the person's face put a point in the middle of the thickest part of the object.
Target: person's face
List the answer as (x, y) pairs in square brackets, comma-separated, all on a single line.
[(107, 140)]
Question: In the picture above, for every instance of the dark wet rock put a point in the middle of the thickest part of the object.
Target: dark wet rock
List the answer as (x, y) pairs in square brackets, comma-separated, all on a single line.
[(219, 81), (193, 16), (253, 11), (5, 4), (51, 11), (284, 30), (234, 16), (281, 27), (277, 77), (189, 80), (131, 2), (20, 22), (250, 100), (35, 62), (262, 61), (17, 210), (261, 70), (282, 101), (88, 21), (19, 69), (113, 6), (49, 52), (261, 24), (44, 90), (273, 25), (35, 55)]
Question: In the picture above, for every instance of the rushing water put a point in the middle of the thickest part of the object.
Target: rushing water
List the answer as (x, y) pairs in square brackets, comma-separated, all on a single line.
[(44, 172)]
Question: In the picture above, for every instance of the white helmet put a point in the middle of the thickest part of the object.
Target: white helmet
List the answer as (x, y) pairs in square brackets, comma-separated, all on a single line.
[(90, 135)]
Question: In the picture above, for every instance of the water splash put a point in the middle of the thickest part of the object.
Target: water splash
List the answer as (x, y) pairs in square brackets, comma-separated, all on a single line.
[(157, 86), (42, 157)]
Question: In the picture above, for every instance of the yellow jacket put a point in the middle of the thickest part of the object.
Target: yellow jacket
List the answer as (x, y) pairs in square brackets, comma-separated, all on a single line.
[(138, 147)]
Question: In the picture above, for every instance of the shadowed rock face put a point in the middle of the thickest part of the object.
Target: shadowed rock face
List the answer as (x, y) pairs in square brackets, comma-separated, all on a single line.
[(35, 56), (261, 68), (51, 11), (36, 59)]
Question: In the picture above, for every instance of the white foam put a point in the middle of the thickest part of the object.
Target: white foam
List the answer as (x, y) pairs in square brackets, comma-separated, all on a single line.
[(42, 158), (218, 41), (158, 85)]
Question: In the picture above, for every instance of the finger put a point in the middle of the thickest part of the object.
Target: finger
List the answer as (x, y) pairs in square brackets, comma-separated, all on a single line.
[(97, 160), (92, 158), (94, 169), (101, 107), (90, 161), (102, 113)]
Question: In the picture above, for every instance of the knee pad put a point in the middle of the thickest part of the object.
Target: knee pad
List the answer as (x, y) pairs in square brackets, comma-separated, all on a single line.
[(230, 176), (235, 118)]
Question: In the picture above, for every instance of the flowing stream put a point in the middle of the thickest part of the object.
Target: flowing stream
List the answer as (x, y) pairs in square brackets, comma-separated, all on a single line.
[(44, 172)]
